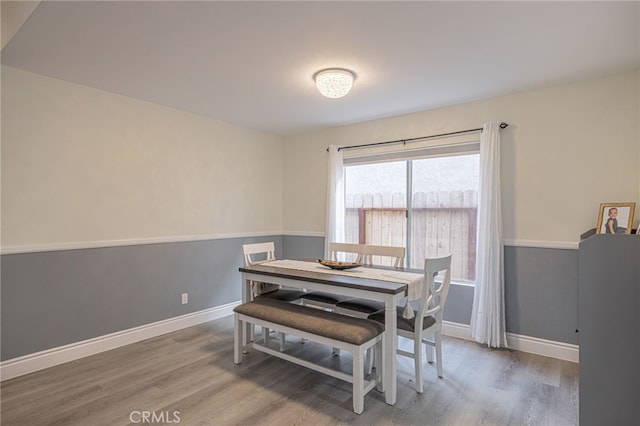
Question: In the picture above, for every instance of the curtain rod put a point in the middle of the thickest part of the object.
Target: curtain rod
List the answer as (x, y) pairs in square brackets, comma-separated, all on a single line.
[(404, 141)]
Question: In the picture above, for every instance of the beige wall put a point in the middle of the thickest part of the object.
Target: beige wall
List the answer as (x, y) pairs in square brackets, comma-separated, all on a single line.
[(84, 165), (568, 148)]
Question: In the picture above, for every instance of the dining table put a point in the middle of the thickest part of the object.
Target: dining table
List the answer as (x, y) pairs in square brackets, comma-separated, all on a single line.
[(384, 284)]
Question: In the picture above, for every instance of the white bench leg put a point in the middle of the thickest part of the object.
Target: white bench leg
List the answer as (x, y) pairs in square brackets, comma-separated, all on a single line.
[(358, 381), (238, 340)]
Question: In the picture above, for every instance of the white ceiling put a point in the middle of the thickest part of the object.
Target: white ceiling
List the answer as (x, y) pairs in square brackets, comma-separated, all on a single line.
[(251, 63)]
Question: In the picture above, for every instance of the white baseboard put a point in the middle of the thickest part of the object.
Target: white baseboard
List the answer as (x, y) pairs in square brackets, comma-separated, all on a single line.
[(454, 329), (533, 345), (39, 360)]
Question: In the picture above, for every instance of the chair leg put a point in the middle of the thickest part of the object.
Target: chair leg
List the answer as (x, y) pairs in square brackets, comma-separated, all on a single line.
[(438, 344), (417, 358), (377, 359), (428, 347), (281, 342), (369, 361)]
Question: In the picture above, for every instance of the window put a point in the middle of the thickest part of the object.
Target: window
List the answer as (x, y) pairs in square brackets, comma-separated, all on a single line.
[(426, 203)]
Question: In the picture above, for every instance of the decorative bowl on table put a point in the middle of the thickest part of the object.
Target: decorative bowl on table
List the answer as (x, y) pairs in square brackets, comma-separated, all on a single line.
[(338, 265)]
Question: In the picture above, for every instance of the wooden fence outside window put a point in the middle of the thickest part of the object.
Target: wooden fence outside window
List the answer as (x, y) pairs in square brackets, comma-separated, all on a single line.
[(441, 222)]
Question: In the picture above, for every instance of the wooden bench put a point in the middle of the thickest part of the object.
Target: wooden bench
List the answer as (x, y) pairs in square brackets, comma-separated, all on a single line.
[(355, 335)]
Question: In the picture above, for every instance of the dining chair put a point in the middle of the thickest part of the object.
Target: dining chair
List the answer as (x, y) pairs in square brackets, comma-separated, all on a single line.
[(261, 253), (325, 300), (426, 326), (267, 253), (362, 307)]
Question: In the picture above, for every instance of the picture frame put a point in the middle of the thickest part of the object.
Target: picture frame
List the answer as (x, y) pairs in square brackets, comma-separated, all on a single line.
[(615, 218)]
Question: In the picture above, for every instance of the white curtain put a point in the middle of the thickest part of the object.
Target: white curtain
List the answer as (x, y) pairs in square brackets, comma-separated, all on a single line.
[(488, 315), (335, 198)]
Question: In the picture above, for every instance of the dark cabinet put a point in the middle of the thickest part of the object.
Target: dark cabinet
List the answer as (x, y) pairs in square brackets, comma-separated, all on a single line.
[(609, 330)]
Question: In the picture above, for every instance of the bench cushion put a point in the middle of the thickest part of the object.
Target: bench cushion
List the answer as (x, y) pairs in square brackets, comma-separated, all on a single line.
[(316, 321)]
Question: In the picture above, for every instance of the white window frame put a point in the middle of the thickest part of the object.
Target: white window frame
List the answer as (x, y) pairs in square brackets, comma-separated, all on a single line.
[(441, 147)]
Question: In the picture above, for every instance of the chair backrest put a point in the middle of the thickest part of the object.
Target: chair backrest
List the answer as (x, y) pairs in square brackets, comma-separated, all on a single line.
[(395, 253), (365, 252), (266, 250), (335, 248), (265, 253), (434, 293)]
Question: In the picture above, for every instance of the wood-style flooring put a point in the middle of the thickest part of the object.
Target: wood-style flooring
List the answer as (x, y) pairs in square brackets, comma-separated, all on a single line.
[(188, 378)]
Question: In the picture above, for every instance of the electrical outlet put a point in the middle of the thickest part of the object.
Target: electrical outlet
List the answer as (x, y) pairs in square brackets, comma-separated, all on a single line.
[(185, 298)]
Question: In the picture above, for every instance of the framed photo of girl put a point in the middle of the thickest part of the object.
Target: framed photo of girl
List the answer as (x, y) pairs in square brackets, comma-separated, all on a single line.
[(615, 218)]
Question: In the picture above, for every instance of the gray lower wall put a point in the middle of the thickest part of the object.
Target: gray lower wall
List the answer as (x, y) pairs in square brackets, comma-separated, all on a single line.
[(541, 293), (296, 247), (51, 299)]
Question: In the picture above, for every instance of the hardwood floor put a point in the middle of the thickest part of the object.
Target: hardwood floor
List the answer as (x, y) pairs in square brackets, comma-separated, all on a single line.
[(188, 378)]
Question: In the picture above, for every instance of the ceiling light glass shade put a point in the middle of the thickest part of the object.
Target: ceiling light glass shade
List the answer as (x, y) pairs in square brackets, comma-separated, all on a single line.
[(334, 83)]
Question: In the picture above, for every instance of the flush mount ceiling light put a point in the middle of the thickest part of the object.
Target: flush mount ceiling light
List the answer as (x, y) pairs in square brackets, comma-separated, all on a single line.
[(334, 82)]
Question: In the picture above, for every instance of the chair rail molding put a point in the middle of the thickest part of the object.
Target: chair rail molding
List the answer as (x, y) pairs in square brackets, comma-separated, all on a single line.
[(35, 248), (561, 245)]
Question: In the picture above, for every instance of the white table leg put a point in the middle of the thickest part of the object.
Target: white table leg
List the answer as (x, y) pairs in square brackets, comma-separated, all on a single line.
[(246, 297), (389, 347)]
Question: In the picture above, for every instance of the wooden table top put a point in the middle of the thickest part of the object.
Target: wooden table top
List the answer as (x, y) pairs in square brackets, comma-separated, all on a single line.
[(327, 277)]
